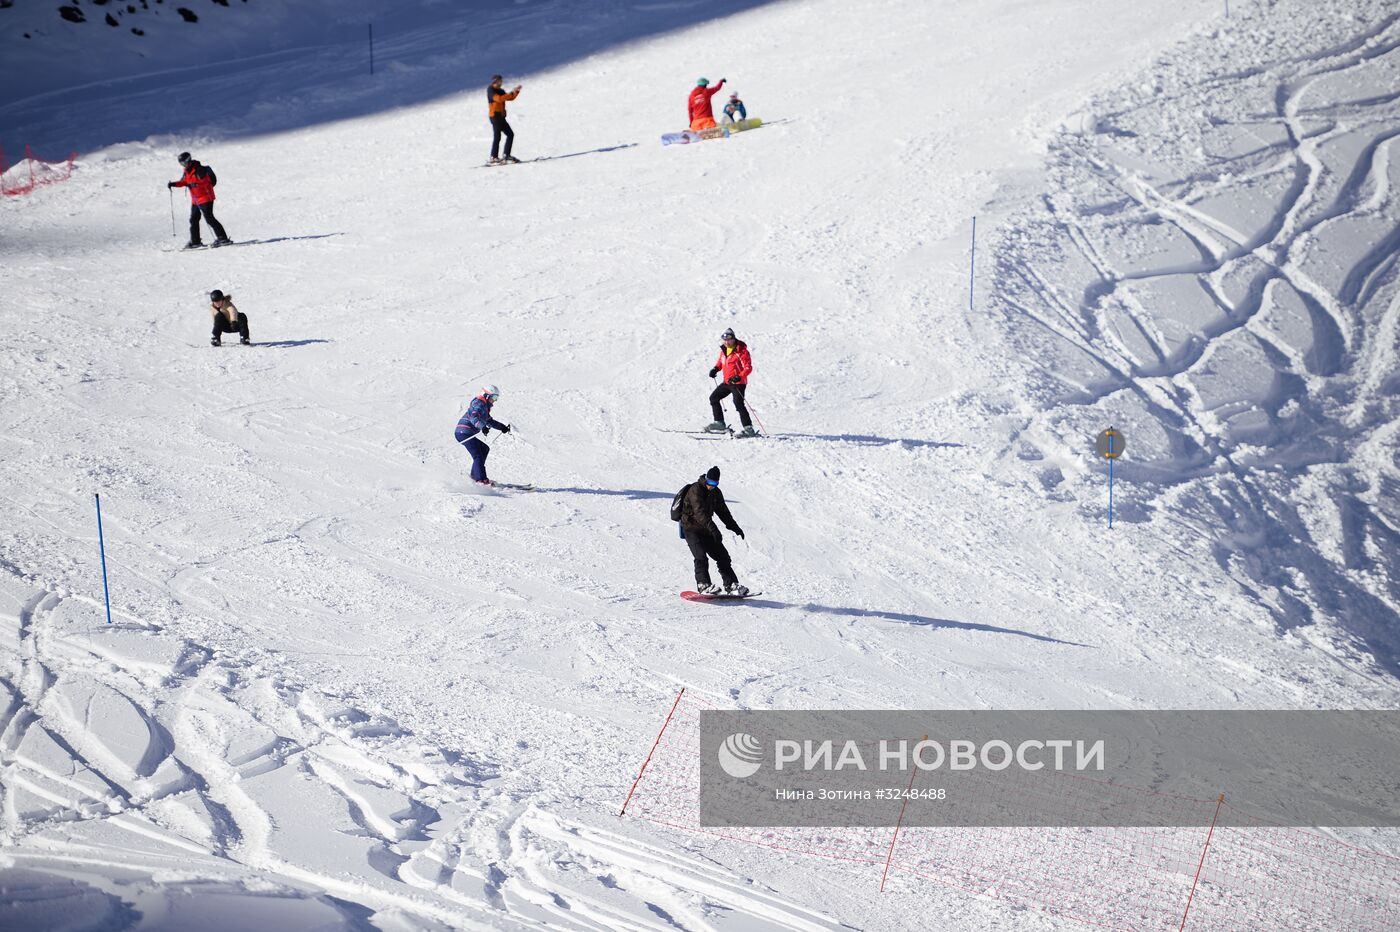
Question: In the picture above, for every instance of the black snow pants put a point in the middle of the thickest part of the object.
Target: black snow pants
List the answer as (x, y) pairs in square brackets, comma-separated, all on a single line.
[(499, 128), (222, 325), (207, 210), (704, 545), (724, 391)]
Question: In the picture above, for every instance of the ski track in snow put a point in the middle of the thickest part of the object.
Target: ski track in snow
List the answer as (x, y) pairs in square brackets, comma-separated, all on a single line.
[(1238, 320), (151, 768), (347, 689)]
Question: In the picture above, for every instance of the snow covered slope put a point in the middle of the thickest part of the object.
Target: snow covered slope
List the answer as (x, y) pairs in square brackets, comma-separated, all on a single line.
[(346, 690)]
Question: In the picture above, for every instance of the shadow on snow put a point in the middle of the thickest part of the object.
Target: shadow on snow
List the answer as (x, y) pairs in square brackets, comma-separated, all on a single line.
[(866, 440), (285, 343), (909, 619), (634, 494), (283, 239), (420, 56)]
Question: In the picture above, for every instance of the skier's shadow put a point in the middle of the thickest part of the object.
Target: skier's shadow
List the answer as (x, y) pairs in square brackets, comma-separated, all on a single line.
[(283, 239), (908, 619), (570, 155), (867, 440), (634, 494)]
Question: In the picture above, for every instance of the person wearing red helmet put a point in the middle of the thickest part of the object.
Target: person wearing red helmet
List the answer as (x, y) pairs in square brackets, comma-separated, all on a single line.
[(735, 364), (701, 111), (200, 180)]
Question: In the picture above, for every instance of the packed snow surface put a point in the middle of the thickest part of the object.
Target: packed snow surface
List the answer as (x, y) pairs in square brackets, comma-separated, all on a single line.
[(346, 688)]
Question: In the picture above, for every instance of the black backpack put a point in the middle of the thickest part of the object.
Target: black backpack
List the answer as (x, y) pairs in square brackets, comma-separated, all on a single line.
[(678, 503)]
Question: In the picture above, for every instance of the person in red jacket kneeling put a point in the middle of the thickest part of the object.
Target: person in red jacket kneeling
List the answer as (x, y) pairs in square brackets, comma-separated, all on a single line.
[(200, 179), (702, 113), (734, 363)]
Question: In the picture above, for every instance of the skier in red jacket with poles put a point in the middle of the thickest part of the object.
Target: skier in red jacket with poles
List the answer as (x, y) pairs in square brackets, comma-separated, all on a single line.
[(702, 113), (735, 364), (200, 179)]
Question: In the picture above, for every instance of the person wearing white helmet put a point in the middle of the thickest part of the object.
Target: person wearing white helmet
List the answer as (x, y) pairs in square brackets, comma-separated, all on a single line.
[(476, 420)]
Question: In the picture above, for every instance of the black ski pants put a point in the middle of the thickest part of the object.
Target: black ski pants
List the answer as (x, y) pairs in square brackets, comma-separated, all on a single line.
[(724, 391), (499, 128), (222, 325), (207, 210), (706, 545)]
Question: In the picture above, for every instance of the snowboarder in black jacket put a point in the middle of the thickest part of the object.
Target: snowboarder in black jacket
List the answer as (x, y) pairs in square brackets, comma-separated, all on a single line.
[(700, 504)]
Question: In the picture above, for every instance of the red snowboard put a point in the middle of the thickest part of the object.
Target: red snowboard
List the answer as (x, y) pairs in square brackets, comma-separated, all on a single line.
[(692, 596)]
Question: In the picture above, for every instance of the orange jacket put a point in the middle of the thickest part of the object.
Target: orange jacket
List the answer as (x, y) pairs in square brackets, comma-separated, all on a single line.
[(698, 103), (496, 98)]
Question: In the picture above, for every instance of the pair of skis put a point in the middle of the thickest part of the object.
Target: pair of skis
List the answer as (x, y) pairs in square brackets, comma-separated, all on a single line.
[(726, 434)]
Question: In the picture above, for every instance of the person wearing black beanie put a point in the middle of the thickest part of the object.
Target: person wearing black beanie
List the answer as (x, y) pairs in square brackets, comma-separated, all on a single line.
[(700, 502)]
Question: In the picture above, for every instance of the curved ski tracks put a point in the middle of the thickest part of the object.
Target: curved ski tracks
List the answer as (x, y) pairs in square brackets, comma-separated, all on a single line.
[(1255, 360)]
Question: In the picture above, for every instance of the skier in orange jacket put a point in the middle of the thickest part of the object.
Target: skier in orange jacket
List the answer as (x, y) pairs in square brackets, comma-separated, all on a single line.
[(496, 97), (702, 114)]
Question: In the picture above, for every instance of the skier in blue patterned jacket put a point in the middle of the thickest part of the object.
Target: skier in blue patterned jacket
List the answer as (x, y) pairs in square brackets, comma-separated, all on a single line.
[(478, 419)]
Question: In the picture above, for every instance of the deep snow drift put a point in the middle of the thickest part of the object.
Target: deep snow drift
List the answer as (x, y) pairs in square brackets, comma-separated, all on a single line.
[(342, 690)]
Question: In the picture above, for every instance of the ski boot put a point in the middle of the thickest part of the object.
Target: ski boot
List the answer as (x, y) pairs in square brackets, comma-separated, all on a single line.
[(194, 244), (221, 241), (495, 161), (736, 590), (485, 482), (510, 160), (716, 427), (747, 432), (215, 341), (244, 341)]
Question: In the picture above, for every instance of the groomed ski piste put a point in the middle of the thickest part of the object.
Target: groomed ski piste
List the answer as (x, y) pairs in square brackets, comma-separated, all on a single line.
[(346, 688)]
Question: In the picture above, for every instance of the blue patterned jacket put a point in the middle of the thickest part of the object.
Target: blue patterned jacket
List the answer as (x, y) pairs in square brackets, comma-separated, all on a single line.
[(477, 418)]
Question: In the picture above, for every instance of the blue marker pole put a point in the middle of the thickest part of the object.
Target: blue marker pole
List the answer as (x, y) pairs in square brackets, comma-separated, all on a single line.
[(102, 549), (1110, 493), (972, 266), (371, 48)]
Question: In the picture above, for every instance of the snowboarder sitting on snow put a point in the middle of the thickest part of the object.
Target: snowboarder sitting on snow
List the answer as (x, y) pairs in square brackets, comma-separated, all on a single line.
[(702, 113), (200, 179), (735, 364), (701, 501), (478, 419), (734, 106), (227, 318), (496, 98)]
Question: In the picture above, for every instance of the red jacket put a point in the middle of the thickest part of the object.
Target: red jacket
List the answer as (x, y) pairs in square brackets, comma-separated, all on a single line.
[(700, 101), (735, 362), (200, 180)]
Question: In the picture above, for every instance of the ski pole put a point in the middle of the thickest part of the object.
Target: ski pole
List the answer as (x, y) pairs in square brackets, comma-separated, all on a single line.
[(171, 192), (749, 404)]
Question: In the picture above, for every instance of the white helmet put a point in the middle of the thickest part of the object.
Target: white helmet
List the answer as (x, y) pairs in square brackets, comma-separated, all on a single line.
[(491, 393)]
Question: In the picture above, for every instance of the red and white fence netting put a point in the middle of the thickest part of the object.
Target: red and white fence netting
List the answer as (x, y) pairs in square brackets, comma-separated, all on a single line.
[(1259, 876), (32, 172)]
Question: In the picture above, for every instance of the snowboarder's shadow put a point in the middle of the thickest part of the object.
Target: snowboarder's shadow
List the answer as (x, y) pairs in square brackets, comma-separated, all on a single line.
[(909, 619), (867, 440), (635, 494), (285, 343)]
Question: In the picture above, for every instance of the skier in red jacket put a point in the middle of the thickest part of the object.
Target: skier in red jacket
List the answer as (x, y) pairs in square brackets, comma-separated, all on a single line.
[(200, 179), (735, 364), (702, 113)]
